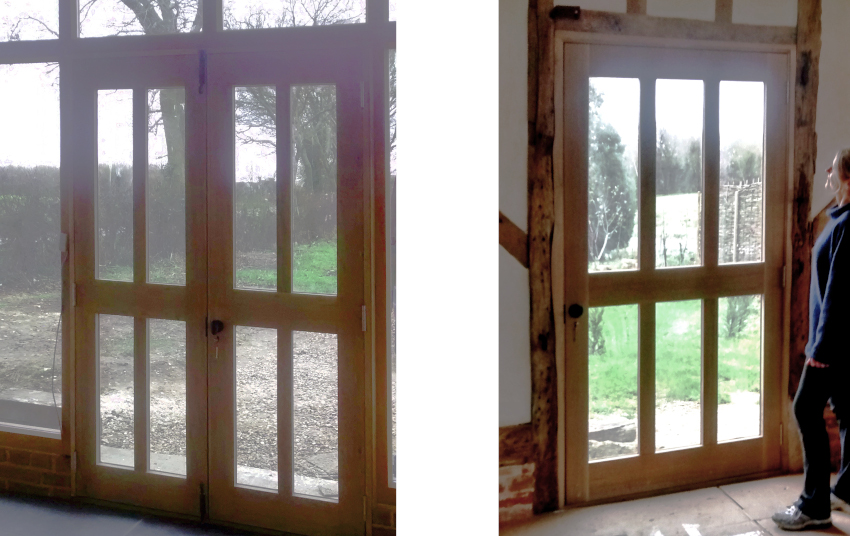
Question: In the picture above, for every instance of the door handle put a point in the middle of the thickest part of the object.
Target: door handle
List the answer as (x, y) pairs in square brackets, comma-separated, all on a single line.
[(575, 310), (216, 327)]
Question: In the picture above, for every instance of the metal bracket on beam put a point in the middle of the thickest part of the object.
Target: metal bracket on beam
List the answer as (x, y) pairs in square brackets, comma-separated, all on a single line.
[(565, 12)]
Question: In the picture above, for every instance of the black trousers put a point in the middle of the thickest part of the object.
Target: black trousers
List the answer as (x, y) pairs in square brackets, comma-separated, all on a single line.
[(817, 386)]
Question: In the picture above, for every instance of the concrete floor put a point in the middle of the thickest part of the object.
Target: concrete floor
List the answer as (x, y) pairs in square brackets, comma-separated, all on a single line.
[(24, 516), (735, 510)]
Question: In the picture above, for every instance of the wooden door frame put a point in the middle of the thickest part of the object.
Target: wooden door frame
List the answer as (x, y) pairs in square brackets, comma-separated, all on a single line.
[(138, 299), (574, 475), (286, 311), (369, 38)]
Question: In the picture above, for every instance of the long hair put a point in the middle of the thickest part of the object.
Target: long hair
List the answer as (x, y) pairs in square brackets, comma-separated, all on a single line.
[(842, 164)]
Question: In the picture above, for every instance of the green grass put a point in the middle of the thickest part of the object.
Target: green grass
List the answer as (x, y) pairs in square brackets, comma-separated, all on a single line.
[(314, 270), (613, 381)]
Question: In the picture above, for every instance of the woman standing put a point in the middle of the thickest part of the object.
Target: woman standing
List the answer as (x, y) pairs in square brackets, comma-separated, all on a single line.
[(825, 374)]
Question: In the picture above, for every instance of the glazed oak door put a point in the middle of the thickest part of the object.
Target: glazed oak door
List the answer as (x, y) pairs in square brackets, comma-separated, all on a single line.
[(674, 166), (141, 280), (286, 291)]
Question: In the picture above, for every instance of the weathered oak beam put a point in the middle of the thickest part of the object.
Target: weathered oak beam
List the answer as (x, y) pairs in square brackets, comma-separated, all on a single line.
[(515, 445), (635, 24), (805, 156), (723, 11), (541, 226), (513, 239), (636, 6)]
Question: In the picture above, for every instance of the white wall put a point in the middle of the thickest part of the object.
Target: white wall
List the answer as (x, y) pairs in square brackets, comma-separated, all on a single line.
[(514, 312), (766, 12), (833, 115), (682, 9), (514, 346)]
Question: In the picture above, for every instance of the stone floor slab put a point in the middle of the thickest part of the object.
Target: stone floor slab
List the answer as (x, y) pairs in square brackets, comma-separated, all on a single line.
[(692, 513)]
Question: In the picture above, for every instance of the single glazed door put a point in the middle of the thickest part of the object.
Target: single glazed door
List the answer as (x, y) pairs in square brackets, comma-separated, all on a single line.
[(140, 280), (286, 293), (674, 171)]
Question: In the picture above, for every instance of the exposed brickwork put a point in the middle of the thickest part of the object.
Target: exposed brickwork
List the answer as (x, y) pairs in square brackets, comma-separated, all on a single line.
[(516, 492), (42, 461), (33, 472), (383, 520)]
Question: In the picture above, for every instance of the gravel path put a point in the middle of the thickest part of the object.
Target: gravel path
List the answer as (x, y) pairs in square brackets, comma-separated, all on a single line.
[(27, 326)]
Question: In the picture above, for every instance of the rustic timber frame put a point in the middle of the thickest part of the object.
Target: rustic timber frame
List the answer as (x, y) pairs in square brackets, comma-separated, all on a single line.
[(545, 430)]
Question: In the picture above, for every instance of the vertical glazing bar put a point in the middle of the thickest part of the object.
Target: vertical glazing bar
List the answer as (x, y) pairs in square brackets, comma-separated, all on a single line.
[(284, 191), (709, 371), (377, 11), (68, 22), (212, 15), (285, 411), (140, 166), (646, 376), (711, 177), (141, 391), (646, 182)]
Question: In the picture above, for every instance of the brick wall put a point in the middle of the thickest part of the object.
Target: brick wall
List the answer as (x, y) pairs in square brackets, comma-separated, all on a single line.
[(383, 520), (516, 492), (34, 466)]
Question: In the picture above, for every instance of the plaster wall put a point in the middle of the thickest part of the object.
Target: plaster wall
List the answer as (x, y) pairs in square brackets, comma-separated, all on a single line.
[(765, 12), (833, 115), (682, 9), (514, 309)]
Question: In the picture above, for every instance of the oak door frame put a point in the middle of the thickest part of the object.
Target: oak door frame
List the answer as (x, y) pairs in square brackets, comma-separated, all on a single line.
[(577, 476), (138, 299), (284, 310)]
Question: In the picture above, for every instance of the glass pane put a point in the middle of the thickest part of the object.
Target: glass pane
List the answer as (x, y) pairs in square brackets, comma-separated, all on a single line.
[(612, 174), (678, 358), (739, 367), (314, 189), (255, 194), (167, 377), (256, 407), (115, 378), (392, 9), (613, 381), (251, 14), (115, 17), (315, 358), (115, 185), (391, 245), (166, 186), (30, 262), (741, 171), (29, 20), (678, 172)]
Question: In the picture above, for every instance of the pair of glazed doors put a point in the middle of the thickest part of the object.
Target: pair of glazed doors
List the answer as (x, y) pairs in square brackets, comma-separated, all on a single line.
[(670, 310), (218, 206)]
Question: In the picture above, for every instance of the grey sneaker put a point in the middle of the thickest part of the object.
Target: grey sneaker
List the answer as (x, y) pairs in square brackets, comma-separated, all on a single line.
[(792, 518), (837, 503)]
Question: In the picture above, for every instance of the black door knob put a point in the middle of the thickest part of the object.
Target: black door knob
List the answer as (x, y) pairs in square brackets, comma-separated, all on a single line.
[(575, 310), (216, 327)]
